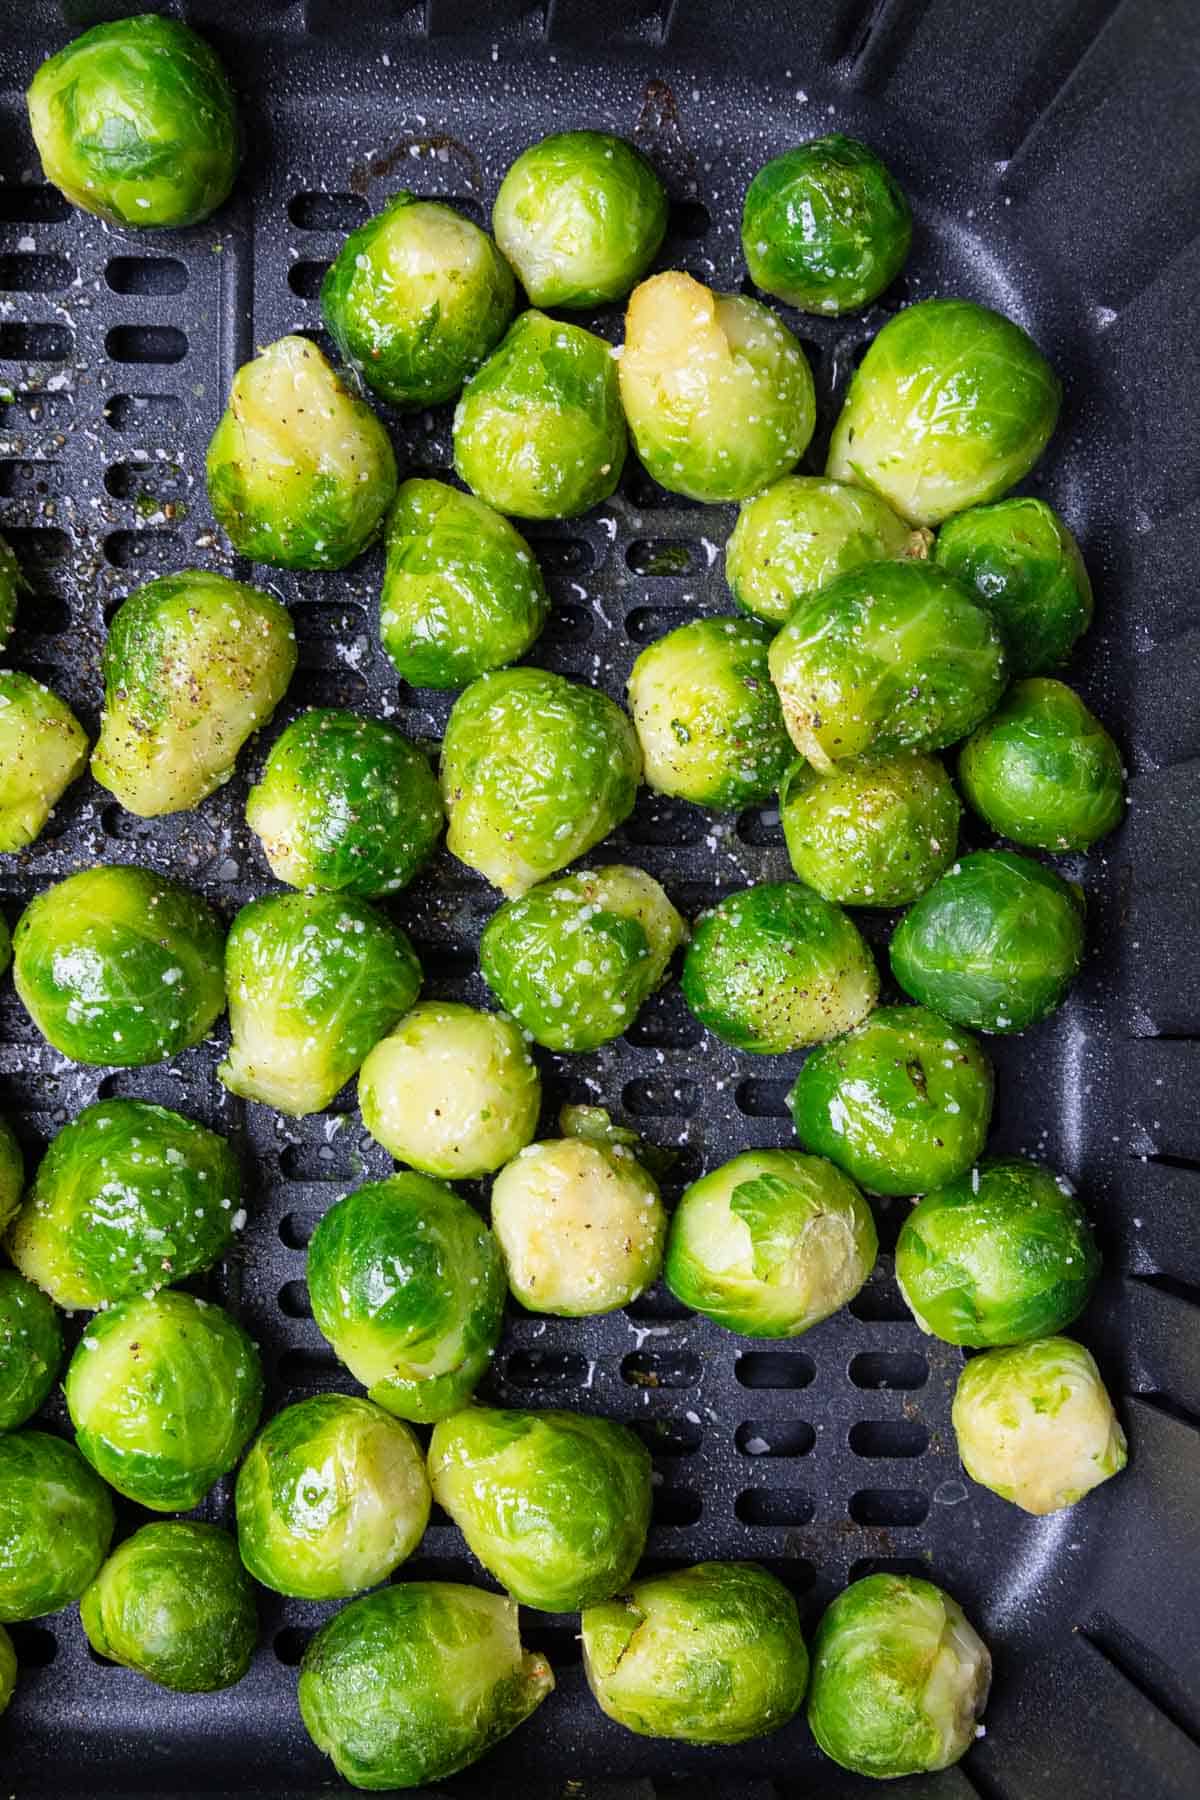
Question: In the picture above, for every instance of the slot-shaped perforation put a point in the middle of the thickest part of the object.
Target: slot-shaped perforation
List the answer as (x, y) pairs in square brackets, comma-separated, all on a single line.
[(786, 1369), (27, 273), (663, 1368), (774, 1506), (775, 1437), (889, 1506), (904, 1370), (146, 344), (35, 343), (155, 276)]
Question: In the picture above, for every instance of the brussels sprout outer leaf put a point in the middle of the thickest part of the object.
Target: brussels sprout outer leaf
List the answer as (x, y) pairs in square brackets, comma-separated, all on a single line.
[(31, 1349), (1026, 567), (873, 830), (1043, 771), (56, 1521), (43, 749)]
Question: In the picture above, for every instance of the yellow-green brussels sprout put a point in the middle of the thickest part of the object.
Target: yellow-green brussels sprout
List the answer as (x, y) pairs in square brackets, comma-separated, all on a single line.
[(314, 982), (716, 389), (1025, 565), (12, 1172), (951, 405), (539, 431), (462, 593), (708, 1655), (1043, 770), (43, 749), (900, 1678), (135, 121), (874, 830), (416, 298), (31, 1349), (8, 1669), (163, 1394), (12, 585), (513, 1483), (174, 1602), (417, 1681), (331, 1498), (118, 966), (56, 1522), (770, 1243), (346, 805), (407, 1285), (535, 770)]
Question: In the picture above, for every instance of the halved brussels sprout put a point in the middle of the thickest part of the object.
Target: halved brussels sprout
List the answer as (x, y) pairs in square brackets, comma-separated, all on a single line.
[(314, 982), (43, 749), (951, 405), (174, 1602), (716, 389), (345, 805), (407, 1285), (332, 1497), (900, 1678), (539, 431), (1002, 1254), (8, 1669), (1025, 565), (31, 1349), (300, 471), (12, 585), (119, 966), (194, 663), (12, 1173), (873, 830), (994, 944), (708, 1655), (56, 1522), (417, 1681), (135, 121), (163, 1394), (1043, 770), (535, 770)]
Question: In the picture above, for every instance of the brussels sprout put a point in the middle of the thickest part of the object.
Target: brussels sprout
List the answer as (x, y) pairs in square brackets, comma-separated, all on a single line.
[(43, 749), (135, 121), (119, 966), (174, 1602), (164, 1393), (899, 1678), (1002, 1254), (314, 981), (300, 471), (8, 1669), (31, 1349), (194, 663), (874, 830), (994, 944), (462, 593), (539, 431), (12, 1173), (535, 770), (56, 1521), (331, 1498), (345, 805), (770, 1243), (1043, 770), (512, 1481), (1035, 1424), (416, 298), (775, 967), (417, 1681), (716, 389), (708, 1655), (12, 585), (407, 1285), (1025, 565), (580, 1226)]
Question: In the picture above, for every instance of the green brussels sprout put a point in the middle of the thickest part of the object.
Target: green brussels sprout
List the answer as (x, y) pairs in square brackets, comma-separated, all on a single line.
[(12, 1173), (775, 967), (331, 1498), (56, 1522), (512, 1482), (164, 1393), (461, 593), (314, 982), (902, 1102), (416, 298), (129, 1197), (770, 1243), (1026, 567), (1001, 1254), (345, 805), (12, 585), (900, 1678), (716, 389), (300, 471), (951, 405), (892, 656), (1043, 770), (31, 1348), (407, 1285), (43, 749), (135, 121), (580, 1226), (539, 431), (574, 959), (994, 944), (413, 1683), (194, 663), (5, 944), (174, 1602), (535, 770), (119, 966), (8, 1669), (708, 1655), (874, 830), (1035, 1424), (579, 216)]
